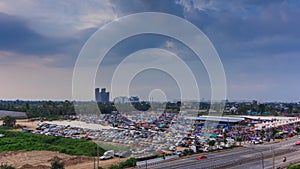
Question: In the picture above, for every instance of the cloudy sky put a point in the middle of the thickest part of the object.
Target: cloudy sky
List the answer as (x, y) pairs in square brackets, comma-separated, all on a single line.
[(257, 41)]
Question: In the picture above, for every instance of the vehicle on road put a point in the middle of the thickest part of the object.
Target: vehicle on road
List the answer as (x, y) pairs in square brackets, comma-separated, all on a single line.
[(201, 157), (297, 143)]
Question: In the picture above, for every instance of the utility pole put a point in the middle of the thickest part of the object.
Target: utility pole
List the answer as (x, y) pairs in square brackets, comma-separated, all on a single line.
[(97, 155), (94, 163), (262, 160), (146, 164), (273, 158)]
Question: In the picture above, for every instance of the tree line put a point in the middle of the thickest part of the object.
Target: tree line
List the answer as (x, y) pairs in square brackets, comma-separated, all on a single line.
[(64, 108), (39, 108)]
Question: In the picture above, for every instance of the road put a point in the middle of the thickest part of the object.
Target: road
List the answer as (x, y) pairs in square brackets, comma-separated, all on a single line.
[(268, 163), (239, 158)]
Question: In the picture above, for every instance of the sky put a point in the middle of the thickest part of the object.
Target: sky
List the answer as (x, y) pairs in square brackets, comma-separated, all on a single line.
[(257, 42)]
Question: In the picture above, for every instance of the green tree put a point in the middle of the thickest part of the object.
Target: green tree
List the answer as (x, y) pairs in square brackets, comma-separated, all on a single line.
[(261, 108), (291, 108), (272, 110), (225, 136), (274, 131), (262, 133), (243, 108), (27, 106), (211, 143), (9, 121), (239, 139), (298, 129), (57, 165)]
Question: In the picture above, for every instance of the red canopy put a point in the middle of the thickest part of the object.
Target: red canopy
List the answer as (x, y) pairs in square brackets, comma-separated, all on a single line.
[(145, 125)]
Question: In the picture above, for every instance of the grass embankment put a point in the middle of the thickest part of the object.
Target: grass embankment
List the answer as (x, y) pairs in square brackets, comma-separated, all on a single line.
[(116, 148), (15, 141)]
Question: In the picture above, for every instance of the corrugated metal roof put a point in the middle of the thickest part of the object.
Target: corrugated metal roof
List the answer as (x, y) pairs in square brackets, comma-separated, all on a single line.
[(4, 113), (217, 119)]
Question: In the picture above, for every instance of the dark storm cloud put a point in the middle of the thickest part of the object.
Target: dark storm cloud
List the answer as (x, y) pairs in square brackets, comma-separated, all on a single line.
[(268, 26), (18, 37), (236, 27)]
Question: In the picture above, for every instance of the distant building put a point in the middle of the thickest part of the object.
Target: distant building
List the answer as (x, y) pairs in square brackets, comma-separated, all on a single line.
[(134, 99), (254, 103), (102, 96), (121, 100), (97, 95)]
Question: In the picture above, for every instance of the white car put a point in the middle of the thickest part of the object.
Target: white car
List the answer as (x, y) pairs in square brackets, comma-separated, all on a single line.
[(219, 147), (172, 148), (256, 141), (105, 157)]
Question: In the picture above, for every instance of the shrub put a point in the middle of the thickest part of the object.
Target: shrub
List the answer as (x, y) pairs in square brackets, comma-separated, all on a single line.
[(57, 165), (114, 166), (9, 121), (128, 163), (5, 166), (297, 166)]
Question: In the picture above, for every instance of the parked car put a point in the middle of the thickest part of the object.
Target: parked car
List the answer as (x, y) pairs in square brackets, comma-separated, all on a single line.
[(257, 141), (172, 148), (188, 150), (219, 147), (207, 149), (107, 155), (297, 143), (177, 153)]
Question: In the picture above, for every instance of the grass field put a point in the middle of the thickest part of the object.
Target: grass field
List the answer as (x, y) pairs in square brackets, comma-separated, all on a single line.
[(116, 148), (15, 141)]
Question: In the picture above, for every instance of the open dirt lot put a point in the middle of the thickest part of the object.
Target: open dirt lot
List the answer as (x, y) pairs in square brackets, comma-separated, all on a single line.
[(31, 125), (43, 159)]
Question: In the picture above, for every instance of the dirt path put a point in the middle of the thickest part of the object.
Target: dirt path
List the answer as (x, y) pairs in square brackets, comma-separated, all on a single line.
[(43, 159), (31, 125)]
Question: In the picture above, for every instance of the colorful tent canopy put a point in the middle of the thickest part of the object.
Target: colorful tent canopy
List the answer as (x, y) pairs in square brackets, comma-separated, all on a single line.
[(210, 135)]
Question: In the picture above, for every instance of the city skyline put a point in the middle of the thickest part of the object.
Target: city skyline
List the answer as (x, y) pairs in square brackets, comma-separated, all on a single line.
[(257, 41)]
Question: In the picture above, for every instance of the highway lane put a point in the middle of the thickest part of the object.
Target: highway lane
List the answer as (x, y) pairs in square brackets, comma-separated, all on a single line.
[(268, 162), (216, 158), (251, 154)]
